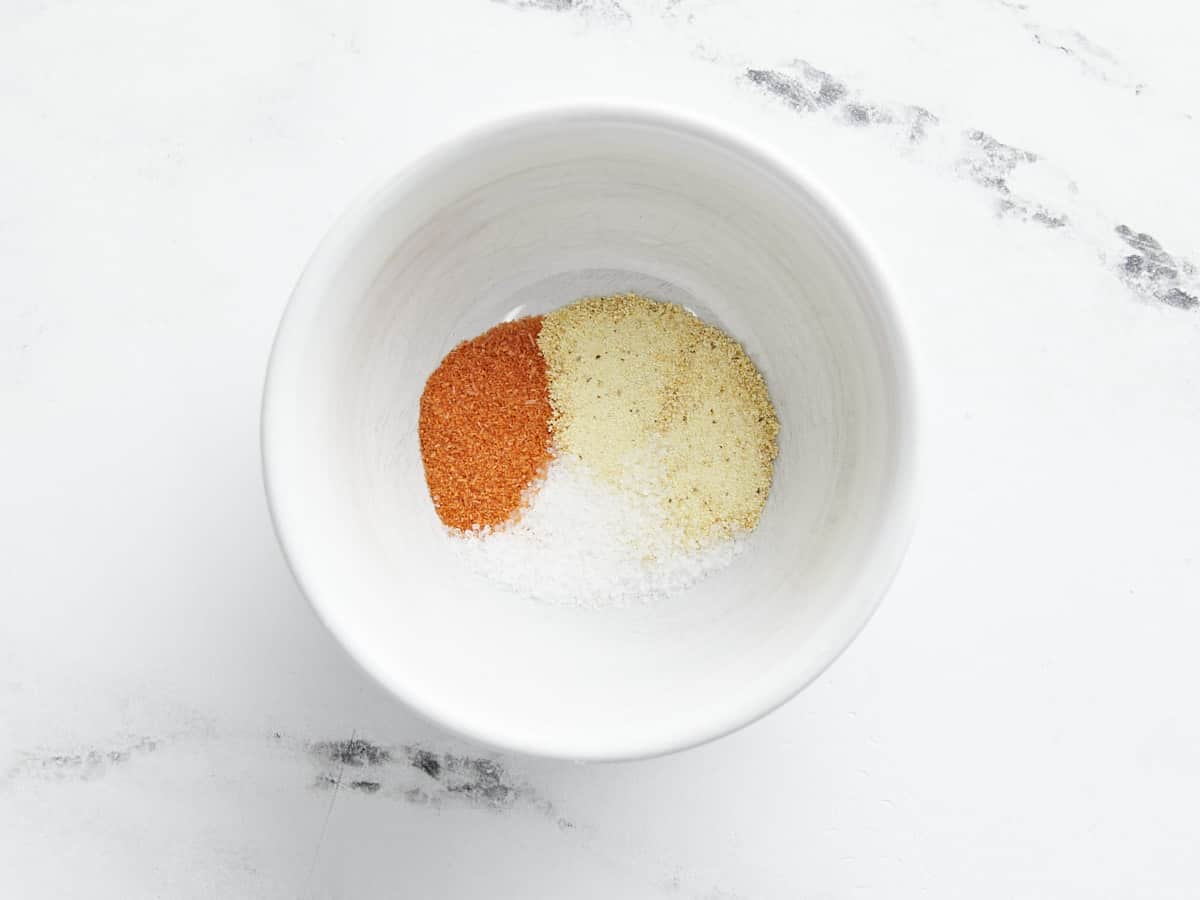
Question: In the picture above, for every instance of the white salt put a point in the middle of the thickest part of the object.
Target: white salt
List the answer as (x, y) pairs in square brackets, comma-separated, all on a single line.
[(581, 541)]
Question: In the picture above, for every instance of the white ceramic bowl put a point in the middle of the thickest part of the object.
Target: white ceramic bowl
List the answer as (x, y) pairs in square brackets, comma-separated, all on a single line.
[(520, 217)]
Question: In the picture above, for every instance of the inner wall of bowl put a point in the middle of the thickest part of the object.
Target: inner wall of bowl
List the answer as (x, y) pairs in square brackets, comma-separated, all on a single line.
[(537, 218)]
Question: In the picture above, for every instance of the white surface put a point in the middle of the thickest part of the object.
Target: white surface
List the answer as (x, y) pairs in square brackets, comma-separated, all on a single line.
[(1019, 718), (443, 251)]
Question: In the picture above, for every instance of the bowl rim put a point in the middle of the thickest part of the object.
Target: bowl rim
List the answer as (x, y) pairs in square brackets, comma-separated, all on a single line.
[(895, 524)]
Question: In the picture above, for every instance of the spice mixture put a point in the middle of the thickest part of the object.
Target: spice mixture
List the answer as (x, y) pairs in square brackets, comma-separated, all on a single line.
[(618, 448)]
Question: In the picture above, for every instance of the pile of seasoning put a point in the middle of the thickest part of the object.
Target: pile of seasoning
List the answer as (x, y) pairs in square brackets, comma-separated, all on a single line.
[(483, 426), (616, 449)]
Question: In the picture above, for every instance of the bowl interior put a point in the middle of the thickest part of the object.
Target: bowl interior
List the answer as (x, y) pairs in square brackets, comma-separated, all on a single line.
[(520, 219)]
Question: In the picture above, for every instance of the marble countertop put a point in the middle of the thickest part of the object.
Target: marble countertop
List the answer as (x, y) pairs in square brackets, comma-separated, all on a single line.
[(1018, 720)]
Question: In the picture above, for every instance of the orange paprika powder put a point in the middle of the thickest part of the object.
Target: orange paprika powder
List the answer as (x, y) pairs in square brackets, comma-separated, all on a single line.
[(484, 425)]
